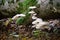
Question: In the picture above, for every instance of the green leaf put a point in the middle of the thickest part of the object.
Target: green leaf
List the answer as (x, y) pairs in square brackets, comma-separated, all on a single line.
[(23, 7), (36, 33), (20, 20)]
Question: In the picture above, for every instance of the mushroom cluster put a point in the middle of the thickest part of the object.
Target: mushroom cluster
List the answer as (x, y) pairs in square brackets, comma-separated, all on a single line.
[(38, 23)]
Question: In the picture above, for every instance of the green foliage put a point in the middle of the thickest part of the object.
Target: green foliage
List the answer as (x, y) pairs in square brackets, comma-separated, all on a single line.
[(57, 31), (20, 20), (39, 33), (28, 3), (23, 7), (3, 1), (27, 18), (23, 20), (20, 9), (36, 33)]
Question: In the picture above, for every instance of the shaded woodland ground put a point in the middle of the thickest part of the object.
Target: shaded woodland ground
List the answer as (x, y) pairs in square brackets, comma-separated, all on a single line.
[(9, 30)]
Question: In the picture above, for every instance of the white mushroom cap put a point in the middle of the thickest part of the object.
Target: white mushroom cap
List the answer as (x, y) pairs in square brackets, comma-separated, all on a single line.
[(34, 14), (18, 15), (33, 17), (21, 15), (32, 7), (31, 12), (16, 35), (37, 20), (40, 25)]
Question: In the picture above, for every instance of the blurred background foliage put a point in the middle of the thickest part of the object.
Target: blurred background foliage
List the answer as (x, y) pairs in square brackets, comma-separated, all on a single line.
[(17, 7), (9, 8), (23, 6)]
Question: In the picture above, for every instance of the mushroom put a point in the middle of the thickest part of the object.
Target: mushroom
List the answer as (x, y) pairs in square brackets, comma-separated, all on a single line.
[(32, 7), (39, 23), (17, 16)]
